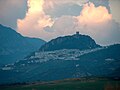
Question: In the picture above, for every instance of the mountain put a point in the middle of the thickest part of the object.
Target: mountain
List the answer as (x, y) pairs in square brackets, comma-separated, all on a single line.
[(47, 65), (14, 46), (76, 41)]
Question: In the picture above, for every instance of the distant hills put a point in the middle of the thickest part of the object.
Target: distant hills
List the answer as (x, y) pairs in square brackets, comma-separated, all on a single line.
[(72, 56), (76, 41), (14, 46)]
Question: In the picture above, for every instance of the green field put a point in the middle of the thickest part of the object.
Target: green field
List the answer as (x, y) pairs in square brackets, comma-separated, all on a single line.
[(74, 84)]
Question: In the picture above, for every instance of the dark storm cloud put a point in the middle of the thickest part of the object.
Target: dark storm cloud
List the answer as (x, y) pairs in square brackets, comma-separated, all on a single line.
[(101, 3), (11, 10)]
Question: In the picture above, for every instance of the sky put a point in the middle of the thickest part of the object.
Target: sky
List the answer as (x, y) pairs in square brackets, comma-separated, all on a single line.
[(48, 19)]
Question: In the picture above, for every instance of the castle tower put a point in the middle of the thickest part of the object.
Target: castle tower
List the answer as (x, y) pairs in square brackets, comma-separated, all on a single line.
[(77, 33)]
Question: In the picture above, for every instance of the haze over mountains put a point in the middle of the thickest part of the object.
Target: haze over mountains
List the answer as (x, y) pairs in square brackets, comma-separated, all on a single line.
[(65, 57), (14, 46)]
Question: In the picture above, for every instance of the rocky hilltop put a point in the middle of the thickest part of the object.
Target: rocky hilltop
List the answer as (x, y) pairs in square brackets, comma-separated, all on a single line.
[(76, 41)]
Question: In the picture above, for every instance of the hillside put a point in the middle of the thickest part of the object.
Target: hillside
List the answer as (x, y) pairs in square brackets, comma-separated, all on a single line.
[(14, 46), (63, 64), (76, 41)]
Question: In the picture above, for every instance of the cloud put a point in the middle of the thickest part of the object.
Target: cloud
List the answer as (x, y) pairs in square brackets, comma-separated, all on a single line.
[(104, 3), (64, 25), (98, 23), (55, 8), (95, 21), (91, 14), (35, 20), (114, 7), (58, 2), (38, 24), (58, 10), (11, 10)]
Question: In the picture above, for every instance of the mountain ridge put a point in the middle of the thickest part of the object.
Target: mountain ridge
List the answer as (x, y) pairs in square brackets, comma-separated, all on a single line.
[(14, 46), (76, 41), (90, 60)]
